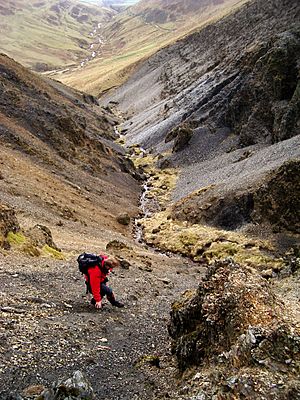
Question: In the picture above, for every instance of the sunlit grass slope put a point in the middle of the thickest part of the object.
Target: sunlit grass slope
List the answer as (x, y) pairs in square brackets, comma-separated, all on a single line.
[(51, 32)]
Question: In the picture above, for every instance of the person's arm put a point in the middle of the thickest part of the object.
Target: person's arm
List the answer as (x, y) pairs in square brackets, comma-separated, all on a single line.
[(95, 280)]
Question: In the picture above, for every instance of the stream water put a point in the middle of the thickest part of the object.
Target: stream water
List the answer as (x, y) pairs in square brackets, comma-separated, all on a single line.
[(148, 203)]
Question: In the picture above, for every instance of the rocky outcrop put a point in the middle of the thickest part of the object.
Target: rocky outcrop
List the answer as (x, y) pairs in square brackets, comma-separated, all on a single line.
[(181, 136), (8, 223), (40, 235), (275, 203), (235, 325)]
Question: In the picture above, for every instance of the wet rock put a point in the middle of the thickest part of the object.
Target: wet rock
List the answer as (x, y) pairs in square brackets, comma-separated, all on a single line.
[(123, 219)]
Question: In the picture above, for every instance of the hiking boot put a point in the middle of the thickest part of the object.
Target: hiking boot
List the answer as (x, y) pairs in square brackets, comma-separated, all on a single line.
[(117, 304)]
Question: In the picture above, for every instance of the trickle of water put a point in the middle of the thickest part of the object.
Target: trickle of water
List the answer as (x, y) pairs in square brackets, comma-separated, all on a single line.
[(144, 213), (148, 205)]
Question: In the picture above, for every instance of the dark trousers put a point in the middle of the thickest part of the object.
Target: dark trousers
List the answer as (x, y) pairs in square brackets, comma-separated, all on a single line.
[(107, 291)]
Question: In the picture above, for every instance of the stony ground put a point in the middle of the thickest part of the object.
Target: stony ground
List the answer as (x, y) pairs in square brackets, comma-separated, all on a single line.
[(49, 330)]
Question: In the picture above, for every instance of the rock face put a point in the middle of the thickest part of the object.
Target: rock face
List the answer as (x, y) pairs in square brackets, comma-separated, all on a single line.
[(278, 201), (237, 326), (275, 203)]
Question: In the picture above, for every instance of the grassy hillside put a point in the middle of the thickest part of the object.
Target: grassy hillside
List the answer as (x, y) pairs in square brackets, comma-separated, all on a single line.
[(48, 34), (136, 33)]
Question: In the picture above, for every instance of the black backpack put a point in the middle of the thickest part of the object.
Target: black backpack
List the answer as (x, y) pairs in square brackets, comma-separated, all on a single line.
[(87, 260)]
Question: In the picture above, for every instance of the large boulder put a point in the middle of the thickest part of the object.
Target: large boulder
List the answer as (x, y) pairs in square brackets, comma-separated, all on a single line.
[(236, 326), (40, 236)]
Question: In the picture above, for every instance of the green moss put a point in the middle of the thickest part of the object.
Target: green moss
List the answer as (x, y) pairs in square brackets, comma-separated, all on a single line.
[(221, 250), (188, 238), (152, 360), (258, 260), (49, 251), (15, 239)]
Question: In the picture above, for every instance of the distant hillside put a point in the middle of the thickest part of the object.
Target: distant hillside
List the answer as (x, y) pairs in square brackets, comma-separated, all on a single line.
[(49, 34), (138, 32), (119, 4)]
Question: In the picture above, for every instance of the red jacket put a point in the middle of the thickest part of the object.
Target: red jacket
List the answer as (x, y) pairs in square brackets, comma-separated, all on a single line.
[(97, 276)]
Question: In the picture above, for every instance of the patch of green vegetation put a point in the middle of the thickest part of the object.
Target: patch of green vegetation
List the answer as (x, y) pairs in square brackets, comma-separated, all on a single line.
[(15, 239), (50, 251), (221, 250), (204, 243), (152, 360)]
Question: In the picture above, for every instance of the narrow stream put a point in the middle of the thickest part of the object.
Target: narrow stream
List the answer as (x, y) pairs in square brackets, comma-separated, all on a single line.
[(147, 204)]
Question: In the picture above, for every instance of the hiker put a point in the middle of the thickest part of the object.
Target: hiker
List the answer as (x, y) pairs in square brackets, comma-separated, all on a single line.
[(96, 278)]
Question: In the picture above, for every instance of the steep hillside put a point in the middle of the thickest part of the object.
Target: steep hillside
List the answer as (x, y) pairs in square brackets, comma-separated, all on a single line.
[(49, 34), (224, 109), (60, 143), (139, 32)]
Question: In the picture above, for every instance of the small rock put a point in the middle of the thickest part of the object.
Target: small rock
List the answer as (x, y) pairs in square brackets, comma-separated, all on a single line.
[(267, 273), (124, 264), (33, 390), (155, 230), (123, 219), (197, 376)]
